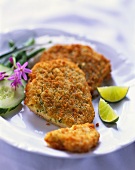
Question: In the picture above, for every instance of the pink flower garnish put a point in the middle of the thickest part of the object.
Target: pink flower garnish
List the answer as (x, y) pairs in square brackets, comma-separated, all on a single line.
[(16, 80), (2, 75), (22, 70), (11, 60)]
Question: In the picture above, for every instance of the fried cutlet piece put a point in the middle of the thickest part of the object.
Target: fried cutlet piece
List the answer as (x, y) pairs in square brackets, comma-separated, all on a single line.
[(95, 66), (78, 138), (57, 91)]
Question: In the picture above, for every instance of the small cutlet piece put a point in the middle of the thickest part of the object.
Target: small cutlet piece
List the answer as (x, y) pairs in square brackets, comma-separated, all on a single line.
[(96, 67), (57, 91), (79, 138)]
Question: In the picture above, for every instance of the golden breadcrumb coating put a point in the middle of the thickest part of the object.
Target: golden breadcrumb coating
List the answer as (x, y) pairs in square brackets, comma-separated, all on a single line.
[(57, 91), (78, 138), (95, 66)]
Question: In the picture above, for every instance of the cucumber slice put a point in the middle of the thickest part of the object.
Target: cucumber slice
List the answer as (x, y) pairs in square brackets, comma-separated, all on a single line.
[(9, 97), (8, 70)]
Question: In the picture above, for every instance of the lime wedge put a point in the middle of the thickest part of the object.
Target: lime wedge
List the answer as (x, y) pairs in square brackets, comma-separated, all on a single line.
[(113, 93), (106, 112)]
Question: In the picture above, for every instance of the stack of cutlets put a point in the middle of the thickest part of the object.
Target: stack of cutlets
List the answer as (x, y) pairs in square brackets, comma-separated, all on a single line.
[(61, 84), (96, 67)]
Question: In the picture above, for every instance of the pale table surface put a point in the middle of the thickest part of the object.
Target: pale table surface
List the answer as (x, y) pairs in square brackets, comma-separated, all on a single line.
[(110, 22)]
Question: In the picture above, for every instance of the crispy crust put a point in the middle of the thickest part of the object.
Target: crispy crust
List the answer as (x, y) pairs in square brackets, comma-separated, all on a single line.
[(95, 66), (78, 138), (57, 91)]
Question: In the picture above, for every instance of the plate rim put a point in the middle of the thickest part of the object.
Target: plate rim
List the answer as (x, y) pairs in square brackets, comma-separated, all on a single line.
[(84, 39)]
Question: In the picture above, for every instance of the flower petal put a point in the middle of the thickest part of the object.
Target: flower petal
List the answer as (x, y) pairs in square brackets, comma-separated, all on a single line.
[(24, 76), (25, 64), (26, 70), (18, 65)]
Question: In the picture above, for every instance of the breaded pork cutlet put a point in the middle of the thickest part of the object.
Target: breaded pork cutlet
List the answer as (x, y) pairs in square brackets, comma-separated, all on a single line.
[(57, 91), (78, 138), (95, 66)]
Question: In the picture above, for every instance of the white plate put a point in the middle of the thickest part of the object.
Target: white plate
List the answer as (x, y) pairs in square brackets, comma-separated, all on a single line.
[(26, 131)]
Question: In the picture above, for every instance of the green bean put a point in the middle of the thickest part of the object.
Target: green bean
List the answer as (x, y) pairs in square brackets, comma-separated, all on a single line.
[(23, 59), (29, 42), (5, 57), (12, 45), (17, 57), (34, 53), (21, 54)]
